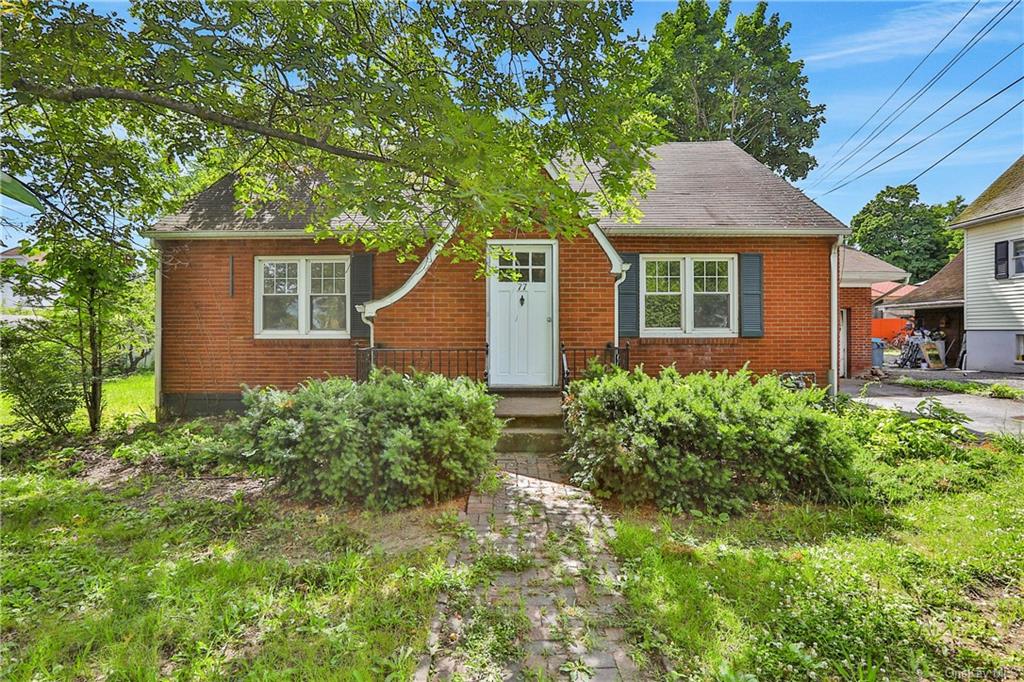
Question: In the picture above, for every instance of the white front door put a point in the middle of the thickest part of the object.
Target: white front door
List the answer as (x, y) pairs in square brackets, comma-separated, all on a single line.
[(521, 326)]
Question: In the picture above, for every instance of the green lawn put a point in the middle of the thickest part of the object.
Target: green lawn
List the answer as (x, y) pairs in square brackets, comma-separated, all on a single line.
[(146, 583), (130, 396), (929, 589)]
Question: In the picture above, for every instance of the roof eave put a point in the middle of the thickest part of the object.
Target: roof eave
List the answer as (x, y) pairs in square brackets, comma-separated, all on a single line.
[(911, 305), (675, 231), (227, 234), (992, 218)]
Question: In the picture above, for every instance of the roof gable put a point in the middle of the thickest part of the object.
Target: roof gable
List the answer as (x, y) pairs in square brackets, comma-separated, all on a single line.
[(716, 186), (1004, 196)]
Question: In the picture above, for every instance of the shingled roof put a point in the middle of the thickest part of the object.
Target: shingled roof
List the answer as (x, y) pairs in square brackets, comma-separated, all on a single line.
[(214, 210), (868, 269), (946, 285), (700, 186), (1002, 198), (717, 186)]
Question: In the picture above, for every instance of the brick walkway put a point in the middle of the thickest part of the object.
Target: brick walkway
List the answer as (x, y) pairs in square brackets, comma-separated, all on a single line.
[(553, 585)]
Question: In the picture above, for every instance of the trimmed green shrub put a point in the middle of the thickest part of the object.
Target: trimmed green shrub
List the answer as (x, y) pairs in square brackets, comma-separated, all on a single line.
[(718, 441), (390, 442)]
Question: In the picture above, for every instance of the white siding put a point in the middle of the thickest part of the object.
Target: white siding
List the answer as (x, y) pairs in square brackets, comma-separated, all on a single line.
[(990, 303)]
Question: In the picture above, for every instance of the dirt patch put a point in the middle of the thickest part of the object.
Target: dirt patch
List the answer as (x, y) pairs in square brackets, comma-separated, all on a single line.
[(110, 475)]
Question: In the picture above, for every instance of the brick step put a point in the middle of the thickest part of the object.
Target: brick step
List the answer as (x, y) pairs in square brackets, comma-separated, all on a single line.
[(536, 439)]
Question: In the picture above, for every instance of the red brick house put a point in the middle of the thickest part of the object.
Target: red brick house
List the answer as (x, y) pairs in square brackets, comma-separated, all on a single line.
[(729, 265)]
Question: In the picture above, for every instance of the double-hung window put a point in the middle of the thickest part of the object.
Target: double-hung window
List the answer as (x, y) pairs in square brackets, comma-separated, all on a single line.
[(1017, 258), (688, 295), (302, 296)]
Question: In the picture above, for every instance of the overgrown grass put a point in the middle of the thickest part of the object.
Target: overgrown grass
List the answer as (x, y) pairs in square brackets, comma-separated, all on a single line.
[(973, 388), (127, 398), (136, 584), (866, 591)]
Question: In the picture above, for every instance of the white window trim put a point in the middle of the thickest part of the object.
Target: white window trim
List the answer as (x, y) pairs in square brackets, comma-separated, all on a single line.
[(303, 332), (1011, 266), (686, 271)]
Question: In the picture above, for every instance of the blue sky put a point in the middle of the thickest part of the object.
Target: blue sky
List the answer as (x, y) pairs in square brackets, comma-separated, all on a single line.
[(856, 53)]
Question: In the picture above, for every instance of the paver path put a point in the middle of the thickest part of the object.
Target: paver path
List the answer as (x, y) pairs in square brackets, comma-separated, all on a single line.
[(554, 573)]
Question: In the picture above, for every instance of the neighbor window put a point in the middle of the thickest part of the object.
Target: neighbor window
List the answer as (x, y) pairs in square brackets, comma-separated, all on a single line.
[(1017, 254), (302, 296), (688, 295)]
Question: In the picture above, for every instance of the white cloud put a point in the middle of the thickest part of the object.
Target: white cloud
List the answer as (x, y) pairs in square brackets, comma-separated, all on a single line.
[(912, 31)]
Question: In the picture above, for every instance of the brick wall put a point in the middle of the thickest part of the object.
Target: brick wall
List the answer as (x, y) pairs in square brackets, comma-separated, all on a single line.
[(448, 307), (857, 302), (796, 308), (207, 345)]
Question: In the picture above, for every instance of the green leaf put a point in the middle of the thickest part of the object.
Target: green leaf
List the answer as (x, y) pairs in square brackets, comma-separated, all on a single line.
[(10, 187)]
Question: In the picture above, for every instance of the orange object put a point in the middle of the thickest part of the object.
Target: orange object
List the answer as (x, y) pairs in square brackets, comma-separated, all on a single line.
[(886, 328)]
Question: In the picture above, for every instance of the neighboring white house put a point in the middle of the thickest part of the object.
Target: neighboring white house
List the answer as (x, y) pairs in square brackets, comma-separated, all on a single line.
[(9, 299), (994, 274)]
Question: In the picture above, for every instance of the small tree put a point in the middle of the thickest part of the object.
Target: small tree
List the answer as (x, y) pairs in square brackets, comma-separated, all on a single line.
[(98, 306)]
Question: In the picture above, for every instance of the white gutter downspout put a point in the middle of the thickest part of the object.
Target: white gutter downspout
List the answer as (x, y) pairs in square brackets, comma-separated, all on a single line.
[(158, 329), (368, 310), (834, 317), (619, 280)]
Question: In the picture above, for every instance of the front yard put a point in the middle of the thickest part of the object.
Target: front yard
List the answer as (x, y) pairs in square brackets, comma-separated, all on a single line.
[(163, 562)]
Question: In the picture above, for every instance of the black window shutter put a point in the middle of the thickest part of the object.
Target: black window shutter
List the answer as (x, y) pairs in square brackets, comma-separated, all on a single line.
[(629, 297), (362, 291), (1002, 260), (752, 295)]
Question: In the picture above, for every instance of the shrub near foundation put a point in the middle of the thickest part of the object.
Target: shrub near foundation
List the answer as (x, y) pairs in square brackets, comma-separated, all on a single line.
[(703, 441), (390, 442)]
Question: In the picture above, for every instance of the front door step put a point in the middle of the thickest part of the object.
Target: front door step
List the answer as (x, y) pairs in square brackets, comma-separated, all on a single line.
[(533, 424), (536, 439)]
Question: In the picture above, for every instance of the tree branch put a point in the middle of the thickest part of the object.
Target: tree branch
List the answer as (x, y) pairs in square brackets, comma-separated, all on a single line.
[(78, 94)]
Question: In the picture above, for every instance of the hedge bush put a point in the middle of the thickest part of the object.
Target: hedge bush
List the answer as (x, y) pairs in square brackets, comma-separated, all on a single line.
[(712, 441), (390, 442), (40, 379)]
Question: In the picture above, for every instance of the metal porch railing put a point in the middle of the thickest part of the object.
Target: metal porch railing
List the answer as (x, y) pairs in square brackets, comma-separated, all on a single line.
[(576, 360), (451, 362)]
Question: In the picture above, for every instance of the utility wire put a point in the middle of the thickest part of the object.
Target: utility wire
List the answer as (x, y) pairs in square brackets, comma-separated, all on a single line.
[(934, 111), (980, 34), (924, 139), (902, 109), (902, 83), (962, 144)]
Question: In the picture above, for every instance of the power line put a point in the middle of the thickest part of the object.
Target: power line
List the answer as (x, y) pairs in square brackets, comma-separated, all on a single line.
[(922, 140), (962, 144), (902, 109), (978, 36), (902, 83), (934, 111)]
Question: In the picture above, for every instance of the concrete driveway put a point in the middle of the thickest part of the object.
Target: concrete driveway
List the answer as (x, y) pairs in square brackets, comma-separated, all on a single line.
[(988, 415)]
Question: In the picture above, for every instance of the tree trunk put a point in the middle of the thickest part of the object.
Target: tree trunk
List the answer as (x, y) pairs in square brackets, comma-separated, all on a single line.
[(94, 400)]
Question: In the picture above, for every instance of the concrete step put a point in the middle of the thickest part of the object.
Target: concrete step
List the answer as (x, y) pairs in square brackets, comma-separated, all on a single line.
[(535, 439), (533, 421)]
